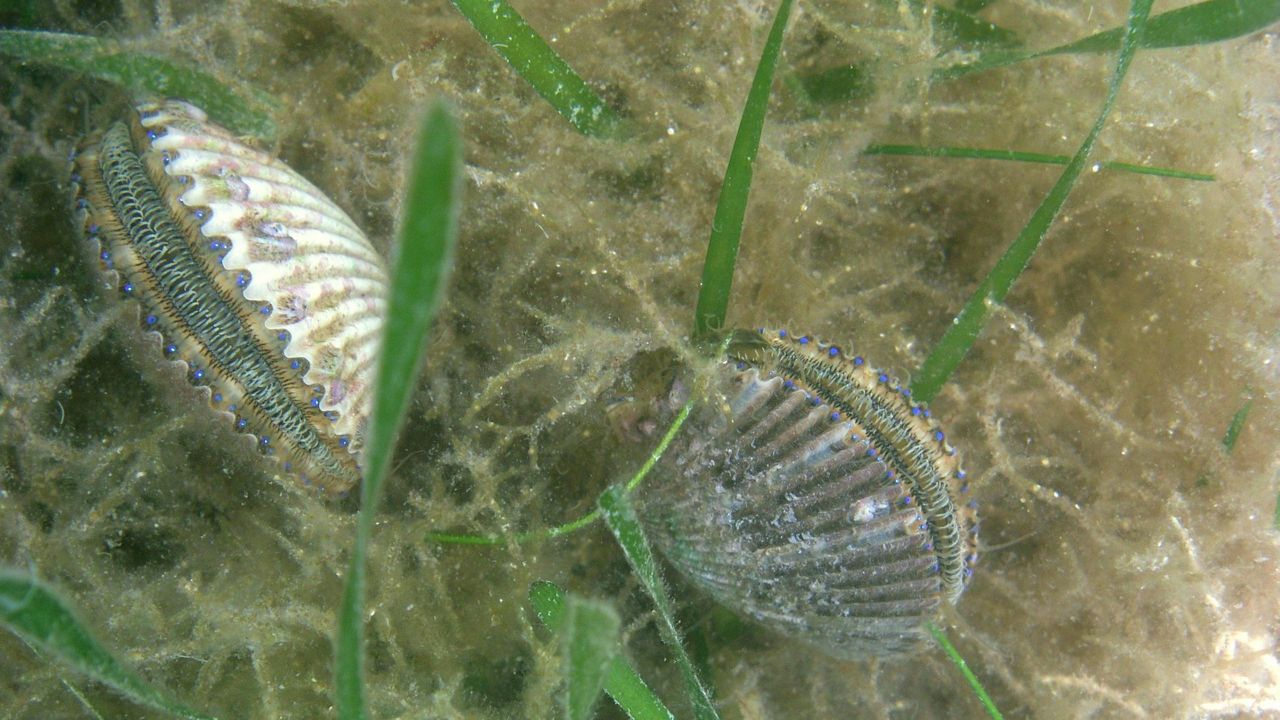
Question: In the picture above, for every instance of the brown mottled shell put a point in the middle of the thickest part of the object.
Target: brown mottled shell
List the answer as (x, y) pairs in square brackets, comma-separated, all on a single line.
[(810, 494), (261, 285)]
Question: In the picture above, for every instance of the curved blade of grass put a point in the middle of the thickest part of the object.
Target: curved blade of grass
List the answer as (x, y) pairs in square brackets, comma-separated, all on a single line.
[(1200, 24), (964, 329), (1020, 156), (108, 60), (424, 256), (585, 520), (621, 519), (622, 683), (956, 659), (39, 616), (534, 60), (726, 228)]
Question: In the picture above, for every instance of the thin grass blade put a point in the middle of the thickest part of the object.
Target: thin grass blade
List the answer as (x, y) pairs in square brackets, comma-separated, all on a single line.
[(957, 660), (1021, 156), (1200, 24), (38, 615), (731, 208), (1237, 426), (964, 329), (620, 516), (109, 60), (534, 60), (420, 270), (622, 683)]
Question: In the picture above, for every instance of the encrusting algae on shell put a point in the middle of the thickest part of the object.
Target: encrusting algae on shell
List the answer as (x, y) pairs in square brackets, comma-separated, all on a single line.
[(263, 287), (807, 491)]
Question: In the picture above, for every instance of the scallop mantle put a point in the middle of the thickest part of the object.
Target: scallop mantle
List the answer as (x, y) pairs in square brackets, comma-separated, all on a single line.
[(260, 284)]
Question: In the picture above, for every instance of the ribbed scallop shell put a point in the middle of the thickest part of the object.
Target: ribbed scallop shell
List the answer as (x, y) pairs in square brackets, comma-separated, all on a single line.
[(265, 288), (797, 511)]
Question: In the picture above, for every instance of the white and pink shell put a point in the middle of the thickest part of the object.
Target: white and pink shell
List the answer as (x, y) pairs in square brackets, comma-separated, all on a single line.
[(261, 284)]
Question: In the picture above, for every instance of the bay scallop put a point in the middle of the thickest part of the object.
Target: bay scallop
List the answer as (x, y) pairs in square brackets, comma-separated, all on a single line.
[(808, 492), (266, 292)]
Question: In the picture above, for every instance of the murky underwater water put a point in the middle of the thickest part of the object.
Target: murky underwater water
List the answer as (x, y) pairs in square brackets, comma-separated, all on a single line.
[(1129, 562)]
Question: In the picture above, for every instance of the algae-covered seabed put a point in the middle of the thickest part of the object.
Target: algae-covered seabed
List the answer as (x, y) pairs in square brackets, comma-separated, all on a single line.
[(1129, 564)]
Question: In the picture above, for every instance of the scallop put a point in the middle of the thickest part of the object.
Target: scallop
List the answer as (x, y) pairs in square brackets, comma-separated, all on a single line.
[(809, 493), (263, 288)]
